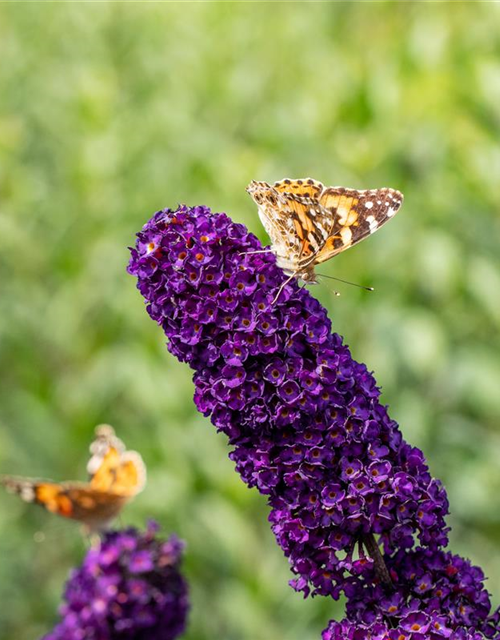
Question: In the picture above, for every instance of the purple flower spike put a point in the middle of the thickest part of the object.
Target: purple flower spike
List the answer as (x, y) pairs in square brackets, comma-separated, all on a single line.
[(127, 588), (304, 419), (433, 590), (432, 630)]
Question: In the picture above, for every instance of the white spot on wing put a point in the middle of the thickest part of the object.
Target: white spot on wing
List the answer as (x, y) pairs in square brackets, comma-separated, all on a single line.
[(27, 493), (373, 223), (369, 204), (346, 235)]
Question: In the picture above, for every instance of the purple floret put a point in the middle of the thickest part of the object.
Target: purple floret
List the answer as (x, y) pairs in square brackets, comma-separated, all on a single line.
[(128, 588), (304, 419)]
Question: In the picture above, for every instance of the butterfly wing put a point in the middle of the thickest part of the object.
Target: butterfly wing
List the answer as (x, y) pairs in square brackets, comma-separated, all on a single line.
[(94, 508), (289, 212), (270, 205), (309, 221), (68, 499), (307, 188), (354, 215), (43, 492), (112, 469)]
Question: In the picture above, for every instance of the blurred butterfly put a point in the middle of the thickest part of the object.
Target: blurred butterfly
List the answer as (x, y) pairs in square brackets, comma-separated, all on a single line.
[(309, 223), (116, 476)]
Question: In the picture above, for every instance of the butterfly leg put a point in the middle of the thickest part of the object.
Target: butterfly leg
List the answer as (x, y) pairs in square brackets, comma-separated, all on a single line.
[(250, 253), (95, 540), (289, 279)]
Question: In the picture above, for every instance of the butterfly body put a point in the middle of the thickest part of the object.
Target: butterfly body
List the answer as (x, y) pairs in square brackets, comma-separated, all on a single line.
[(309, 223), (116, 476)]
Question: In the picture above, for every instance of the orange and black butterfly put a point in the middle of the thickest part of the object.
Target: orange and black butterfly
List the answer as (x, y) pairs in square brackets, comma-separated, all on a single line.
[(115, 477), (309, 223)]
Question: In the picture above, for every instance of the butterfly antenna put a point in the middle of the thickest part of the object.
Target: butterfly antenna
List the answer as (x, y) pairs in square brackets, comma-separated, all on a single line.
[(354, 284), (335, 293), (91, 537)]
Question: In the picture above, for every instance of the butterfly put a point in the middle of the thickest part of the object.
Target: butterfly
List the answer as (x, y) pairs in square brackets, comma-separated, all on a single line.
[(115, 477), (309, 223)]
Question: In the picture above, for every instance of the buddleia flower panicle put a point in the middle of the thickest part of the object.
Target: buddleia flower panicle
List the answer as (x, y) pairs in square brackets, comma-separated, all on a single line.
[(130, 587), (435, 595), (303, 418), (415, 627)]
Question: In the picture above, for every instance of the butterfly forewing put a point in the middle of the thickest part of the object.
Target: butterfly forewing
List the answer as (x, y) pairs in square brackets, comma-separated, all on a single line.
[(308, 220), (307, 188), (354, 216), (112, 468)]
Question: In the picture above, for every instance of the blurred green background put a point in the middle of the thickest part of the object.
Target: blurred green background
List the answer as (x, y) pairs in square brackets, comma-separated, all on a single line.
[(109, 112)]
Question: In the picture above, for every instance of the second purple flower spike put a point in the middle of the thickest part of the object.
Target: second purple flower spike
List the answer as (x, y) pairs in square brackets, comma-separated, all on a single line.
[(128, 588)]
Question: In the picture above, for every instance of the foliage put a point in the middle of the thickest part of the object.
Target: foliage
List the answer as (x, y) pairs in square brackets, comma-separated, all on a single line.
[(111, 111)]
